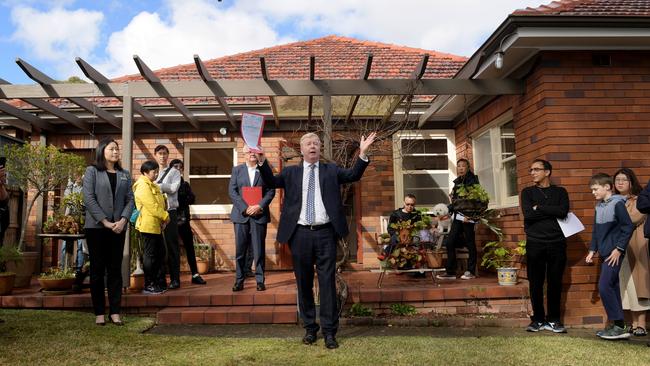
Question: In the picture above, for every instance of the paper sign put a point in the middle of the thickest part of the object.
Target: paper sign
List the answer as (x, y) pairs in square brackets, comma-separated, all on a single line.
[(571, 225), (252, 125)]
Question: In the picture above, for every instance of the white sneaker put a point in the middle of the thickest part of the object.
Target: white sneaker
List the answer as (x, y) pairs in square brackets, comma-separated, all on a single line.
[(467, 276)]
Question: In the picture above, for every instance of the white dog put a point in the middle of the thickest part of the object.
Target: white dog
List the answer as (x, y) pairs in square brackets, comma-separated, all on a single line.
[(440, 210)]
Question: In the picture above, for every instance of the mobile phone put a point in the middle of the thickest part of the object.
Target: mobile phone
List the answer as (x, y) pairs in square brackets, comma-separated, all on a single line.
[(3, 162)]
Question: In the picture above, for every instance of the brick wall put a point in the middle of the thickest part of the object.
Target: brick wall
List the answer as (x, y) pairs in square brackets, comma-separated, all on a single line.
[(584, 119)]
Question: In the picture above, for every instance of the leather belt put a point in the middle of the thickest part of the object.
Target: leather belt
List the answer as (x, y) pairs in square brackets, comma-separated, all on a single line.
[(316, 227)]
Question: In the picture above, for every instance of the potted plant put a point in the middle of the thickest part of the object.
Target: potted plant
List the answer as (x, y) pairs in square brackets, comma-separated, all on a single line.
[(407, 254), (497, 255), (37, 169), (472, 200), (203, 252), (8, 254), (136, 280), (57, 279)]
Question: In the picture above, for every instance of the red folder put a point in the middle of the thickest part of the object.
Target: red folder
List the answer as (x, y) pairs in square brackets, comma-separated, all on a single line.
[(252, 195)]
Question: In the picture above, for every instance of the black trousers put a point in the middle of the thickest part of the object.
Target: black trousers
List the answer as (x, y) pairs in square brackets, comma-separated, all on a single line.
[(173, 249), (105, 248), (453, 241), (250, 235), (153, 257), (185, 232), (309, 248), (545, 261)]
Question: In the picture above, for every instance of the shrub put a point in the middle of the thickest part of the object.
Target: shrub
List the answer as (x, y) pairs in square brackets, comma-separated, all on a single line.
[(403, 309), (358, 309)]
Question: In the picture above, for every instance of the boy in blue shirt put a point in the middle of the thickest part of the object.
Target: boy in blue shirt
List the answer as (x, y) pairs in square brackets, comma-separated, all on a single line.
[(611, 233)]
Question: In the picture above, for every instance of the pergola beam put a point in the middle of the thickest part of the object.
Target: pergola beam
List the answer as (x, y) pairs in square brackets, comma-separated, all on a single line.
[(25, 120), (45, 81), (415, 75), (312, 72), (275, 88), (365, 73), (210, 82), (47, 107), (265, 76), (101, 81), (162, 91)]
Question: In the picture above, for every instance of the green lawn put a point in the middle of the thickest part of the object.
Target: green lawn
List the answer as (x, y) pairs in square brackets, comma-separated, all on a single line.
[(33, 337)]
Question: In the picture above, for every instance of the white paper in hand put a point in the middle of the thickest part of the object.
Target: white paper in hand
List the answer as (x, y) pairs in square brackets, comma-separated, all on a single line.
[(570, 225), (252, 125)]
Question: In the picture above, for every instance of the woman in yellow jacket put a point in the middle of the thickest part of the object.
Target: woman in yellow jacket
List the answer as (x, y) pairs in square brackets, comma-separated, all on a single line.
[(152, 220)]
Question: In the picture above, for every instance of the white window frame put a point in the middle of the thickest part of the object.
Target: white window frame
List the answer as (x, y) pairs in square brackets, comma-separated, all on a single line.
[(207, 209), (398, 173), (498, 172)]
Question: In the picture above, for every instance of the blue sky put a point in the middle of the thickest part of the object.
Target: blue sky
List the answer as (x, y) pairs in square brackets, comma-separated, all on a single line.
[(49, 34)]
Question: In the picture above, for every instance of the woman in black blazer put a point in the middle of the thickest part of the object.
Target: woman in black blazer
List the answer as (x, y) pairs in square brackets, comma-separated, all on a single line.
[(108, 197)]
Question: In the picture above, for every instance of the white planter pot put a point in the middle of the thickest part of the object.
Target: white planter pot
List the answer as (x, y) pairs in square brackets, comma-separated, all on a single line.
[(507, 276)]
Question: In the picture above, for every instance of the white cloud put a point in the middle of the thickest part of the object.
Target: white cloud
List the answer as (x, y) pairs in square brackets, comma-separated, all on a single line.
[(193, 27), (457, 27), (57, 35)]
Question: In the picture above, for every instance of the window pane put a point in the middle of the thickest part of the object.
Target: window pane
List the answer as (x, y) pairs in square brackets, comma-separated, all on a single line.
[(507, 132), (510, 168), (428, 146), (211, 191), (425, 163), (426, 181), (211, 161), (429, 196), (483, 162)]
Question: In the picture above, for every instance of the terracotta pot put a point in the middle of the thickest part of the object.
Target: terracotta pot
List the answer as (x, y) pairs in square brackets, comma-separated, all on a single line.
[(24, 269), (60, 284), (202, 266), (7, 280), (136, 282)]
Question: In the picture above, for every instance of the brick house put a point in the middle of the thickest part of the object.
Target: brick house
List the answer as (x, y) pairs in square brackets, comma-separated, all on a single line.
[(585, 106)]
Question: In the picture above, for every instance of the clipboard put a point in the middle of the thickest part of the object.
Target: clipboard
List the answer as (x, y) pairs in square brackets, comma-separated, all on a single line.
[(252, 195)]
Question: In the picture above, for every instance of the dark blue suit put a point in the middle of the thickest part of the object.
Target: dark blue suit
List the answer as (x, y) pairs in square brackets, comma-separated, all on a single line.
[(250, 231), (314, 247)]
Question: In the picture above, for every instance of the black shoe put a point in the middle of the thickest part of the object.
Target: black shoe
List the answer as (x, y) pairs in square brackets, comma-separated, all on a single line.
[(261, 287), (310, 337), (197, 280), (535, 326), (249, 274), (174, 285), (330, 342), (238, 286)]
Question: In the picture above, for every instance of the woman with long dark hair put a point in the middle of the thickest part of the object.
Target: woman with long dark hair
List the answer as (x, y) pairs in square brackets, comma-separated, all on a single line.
[(460, 227), (108, 197), (634, 280)]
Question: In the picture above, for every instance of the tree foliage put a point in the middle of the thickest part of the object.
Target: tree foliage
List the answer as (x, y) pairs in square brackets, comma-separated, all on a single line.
[(41, 169)]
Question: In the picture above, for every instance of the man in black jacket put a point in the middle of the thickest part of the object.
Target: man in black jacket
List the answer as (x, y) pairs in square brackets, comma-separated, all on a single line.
[(543, 204), (312, 219), (643, 205)]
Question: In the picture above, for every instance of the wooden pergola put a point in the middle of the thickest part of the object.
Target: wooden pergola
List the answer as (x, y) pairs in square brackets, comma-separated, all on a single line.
[(73, 108)]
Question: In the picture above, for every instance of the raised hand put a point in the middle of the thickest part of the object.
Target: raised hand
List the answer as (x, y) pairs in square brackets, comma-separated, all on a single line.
[(365, 143)]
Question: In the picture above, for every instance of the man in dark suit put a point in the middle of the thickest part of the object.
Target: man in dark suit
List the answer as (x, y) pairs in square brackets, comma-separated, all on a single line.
[(311, 221), (250, 220)]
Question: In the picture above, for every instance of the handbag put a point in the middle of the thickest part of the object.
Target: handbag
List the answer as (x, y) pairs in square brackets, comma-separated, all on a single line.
[(134, 216)]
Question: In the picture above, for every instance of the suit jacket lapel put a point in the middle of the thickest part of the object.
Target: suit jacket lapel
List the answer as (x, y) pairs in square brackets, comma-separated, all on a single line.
[(244, 171), (321, 179), (257, 178)]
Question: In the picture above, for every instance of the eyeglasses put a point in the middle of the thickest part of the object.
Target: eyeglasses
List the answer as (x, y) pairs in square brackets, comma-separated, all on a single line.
[(621, 180), (536, 170)]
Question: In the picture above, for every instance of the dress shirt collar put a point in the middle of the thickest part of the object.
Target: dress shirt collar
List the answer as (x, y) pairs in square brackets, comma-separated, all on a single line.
[(306, 165)]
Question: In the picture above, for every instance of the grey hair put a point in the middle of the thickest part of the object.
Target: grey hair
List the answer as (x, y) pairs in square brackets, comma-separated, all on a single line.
[(309, 135)]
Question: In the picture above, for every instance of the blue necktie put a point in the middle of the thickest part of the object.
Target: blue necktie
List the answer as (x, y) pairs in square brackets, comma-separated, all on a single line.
[(310, 215)]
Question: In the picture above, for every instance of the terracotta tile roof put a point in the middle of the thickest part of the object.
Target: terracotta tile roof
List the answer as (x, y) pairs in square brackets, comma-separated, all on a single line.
[(336, 58), (638, 8)]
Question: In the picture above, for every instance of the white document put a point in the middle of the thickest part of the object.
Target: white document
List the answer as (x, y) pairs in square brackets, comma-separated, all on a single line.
[(252, 125), (460, 217), (571, 225)]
